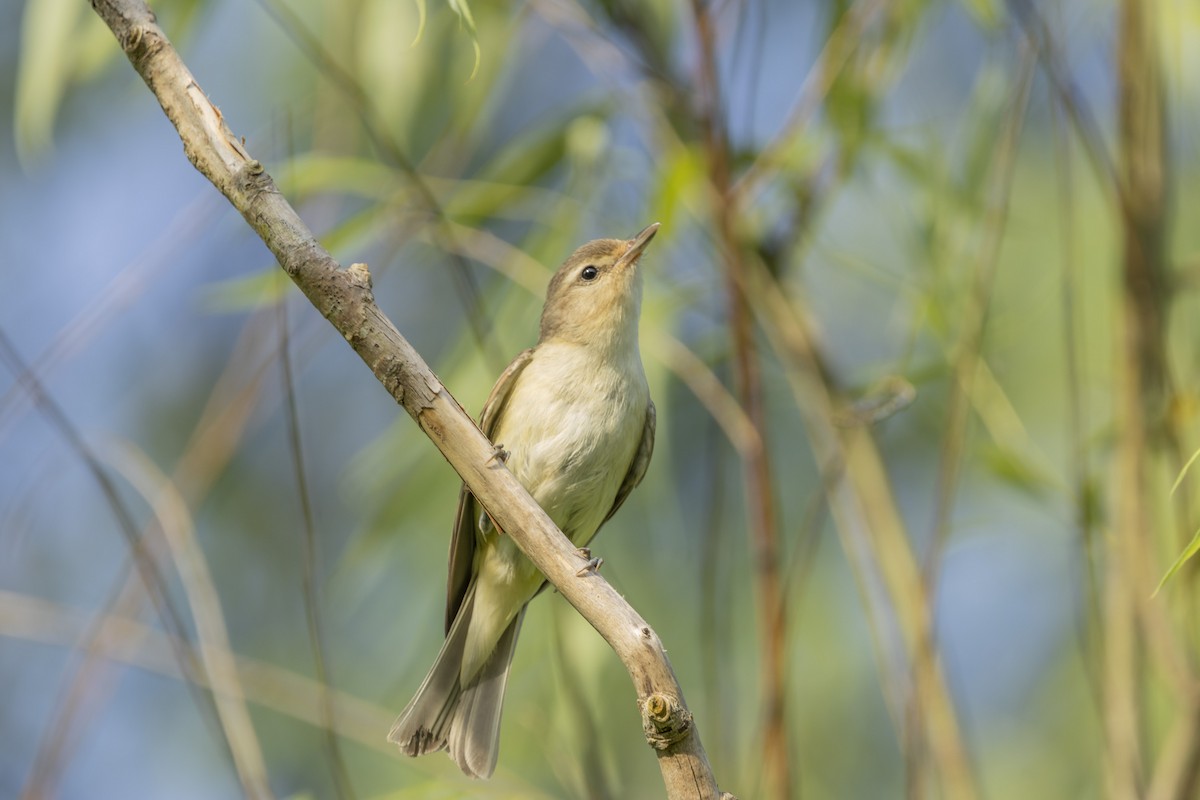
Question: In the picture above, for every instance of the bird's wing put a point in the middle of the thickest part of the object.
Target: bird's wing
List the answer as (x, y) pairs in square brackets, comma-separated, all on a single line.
[(501, 391), (641, 460), (462, 545)]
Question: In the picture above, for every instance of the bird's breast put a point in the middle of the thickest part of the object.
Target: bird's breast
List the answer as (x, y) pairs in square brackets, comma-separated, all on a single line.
[(572, 425)]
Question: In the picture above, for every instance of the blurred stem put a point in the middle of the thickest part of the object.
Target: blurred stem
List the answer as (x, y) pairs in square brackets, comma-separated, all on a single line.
[(756, 466), (131, 643), (872, 532), (309, 581), (212, 635), (714, 628), (333, 130), (211, 445), (966, 354), (1080, 114), (590, 776), (1176, 772), (1139, 184), (1090, 628), (1122, 718), (148, 572), (965, 363), (1140, 394), (1151, 286), (128, 641), (1142, 172)]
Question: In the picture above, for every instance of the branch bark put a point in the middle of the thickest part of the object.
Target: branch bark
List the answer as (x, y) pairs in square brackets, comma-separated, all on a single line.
[(344, 297)]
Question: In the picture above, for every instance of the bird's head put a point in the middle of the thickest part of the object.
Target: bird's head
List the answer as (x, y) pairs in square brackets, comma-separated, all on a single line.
[(595, 297)]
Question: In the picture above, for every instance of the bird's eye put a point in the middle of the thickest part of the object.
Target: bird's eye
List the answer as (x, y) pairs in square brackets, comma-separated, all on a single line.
[(589, 273)]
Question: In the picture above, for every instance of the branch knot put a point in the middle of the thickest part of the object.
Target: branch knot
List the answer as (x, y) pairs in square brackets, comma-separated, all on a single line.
[(141, 41), (665, 721), (359, 275), (253, 180)]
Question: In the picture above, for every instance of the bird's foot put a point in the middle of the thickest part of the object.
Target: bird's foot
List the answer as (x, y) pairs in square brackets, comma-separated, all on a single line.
[(499, 454), (592, 565)]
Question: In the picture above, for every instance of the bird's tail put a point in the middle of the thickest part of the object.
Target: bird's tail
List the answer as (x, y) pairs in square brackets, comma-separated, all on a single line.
[(444, 713)]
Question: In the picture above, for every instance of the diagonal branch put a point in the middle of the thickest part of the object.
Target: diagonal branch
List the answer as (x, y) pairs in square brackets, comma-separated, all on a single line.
[(344, 297)]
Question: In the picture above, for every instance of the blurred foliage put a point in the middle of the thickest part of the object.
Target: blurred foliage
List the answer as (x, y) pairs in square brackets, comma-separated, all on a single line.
[(462, 152), (64, 44)]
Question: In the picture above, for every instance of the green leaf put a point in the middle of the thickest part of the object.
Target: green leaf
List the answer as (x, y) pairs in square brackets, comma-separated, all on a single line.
[(1194, 545), (311, 174), (62, 44), (1017, 471), (43, 71), (235, 295), (987, 13), (478, 59), (511, 177), (681, 182), (1189, 551), (420, 22), (463, 11), (1184, 471)]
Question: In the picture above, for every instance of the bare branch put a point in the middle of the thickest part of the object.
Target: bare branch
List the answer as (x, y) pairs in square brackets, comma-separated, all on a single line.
[(344, 297)]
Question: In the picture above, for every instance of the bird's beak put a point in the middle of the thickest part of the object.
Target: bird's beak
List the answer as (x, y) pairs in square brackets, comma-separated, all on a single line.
[(637, 244)]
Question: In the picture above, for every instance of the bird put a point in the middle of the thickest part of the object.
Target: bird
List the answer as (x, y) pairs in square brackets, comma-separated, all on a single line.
[(573, 420)]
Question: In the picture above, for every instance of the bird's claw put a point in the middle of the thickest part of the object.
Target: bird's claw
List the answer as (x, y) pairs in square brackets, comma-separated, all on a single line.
[(499, 454), (592, 565)]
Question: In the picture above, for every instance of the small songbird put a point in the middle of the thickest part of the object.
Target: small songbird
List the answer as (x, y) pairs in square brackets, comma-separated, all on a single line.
[(574, 419)]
